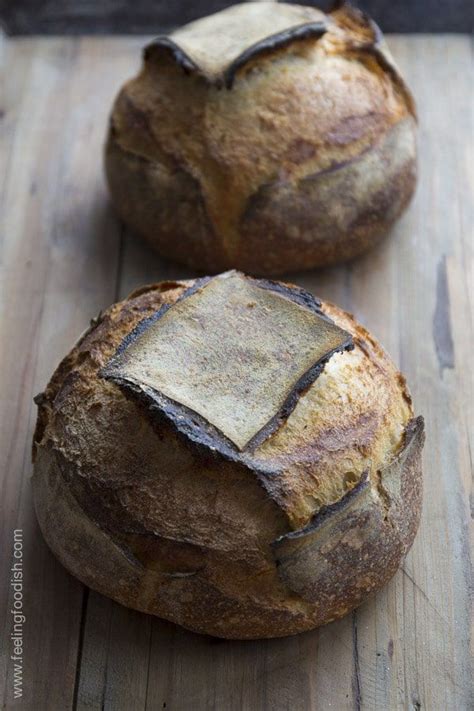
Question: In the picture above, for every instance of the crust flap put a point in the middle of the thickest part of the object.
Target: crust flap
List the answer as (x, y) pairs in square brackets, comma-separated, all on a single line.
[(332, 558), (218, 45), (233, 351)]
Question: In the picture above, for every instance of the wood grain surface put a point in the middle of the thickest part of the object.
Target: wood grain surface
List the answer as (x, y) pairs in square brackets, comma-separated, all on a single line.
[(64, 256)]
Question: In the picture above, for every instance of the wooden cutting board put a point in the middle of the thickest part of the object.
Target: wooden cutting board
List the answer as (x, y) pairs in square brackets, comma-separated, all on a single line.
[(64, 256)]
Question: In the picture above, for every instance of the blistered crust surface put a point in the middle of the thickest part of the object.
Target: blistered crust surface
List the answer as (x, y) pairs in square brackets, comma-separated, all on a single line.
[(209, 175), (139, 513), (352, 417)]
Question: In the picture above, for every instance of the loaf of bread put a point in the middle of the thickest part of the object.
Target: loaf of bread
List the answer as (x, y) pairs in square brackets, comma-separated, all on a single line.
[(267, 137), (229, 454)]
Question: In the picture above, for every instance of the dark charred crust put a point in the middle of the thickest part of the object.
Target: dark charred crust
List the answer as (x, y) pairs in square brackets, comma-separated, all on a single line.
[(300, 387), (161, 287), (186, 422), (295, 293), (147, 322), (193, 426), (326, 511), (194, 432), (310, 30), (183, 60)]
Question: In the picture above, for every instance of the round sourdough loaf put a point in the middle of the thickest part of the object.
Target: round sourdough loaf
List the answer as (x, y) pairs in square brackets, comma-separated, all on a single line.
[(229, 454), (268, 138)]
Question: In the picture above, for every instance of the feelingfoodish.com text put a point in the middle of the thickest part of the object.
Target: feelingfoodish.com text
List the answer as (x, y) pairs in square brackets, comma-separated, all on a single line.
[(18, 618)]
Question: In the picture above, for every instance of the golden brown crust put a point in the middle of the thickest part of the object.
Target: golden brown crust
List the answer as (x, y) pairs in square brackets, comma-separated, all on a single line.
[(353, 546), (306, 160), (143, 515)]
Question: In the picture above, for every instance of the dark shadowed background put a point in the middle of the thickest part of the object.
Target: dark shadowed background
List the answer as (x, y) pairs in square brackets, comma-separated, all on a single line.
[(152, 16)]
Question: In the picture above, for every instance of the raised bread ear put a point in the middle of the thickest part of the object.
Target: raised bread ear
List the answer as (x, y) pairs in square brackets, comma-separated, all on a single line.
[(357, 25), (359, 33), (371, 527), (217, 46)]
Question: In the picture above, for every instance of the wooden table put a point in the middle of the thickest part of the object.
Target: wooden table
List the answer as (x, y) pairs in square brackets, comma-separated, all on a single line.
[(65, 256)]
